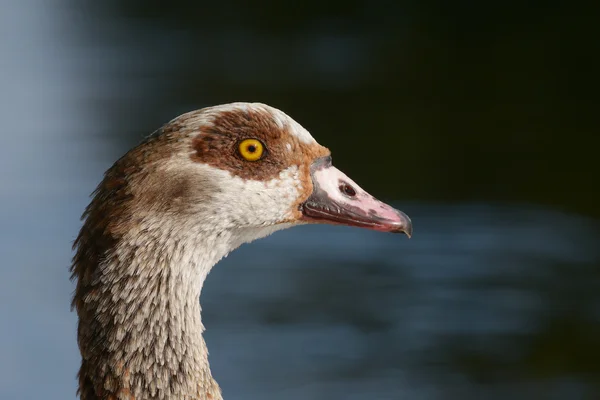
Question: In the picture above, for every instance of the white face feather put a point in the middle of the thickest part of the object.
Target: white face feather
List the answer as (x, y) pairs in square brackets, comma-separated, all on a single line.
[(295, 128), (245, 208), (247, 203)]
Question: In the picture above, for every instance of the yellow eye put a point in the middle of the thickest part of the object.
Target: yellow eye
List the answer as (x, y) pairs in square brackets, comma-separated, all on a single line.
[(251, 149)]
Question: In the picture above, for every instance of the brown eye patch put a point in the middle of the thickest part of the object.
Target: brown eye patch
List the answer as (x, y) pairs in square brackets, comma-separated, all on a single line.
[(218, 144)]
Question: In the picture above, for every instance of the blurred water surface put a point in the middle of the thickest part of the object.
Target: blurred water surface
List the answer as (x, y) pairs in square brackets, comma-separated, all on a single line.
[(498, 293)]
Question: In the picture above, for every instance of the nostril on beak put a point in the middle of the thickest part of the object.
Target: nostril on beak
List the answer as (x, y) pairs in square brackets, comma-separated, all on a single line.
[(347, 189)]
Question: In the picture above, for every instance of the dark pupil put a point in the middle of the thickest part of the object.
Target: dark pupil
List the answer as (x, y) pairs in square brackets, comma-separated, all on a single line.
[(251, 148)]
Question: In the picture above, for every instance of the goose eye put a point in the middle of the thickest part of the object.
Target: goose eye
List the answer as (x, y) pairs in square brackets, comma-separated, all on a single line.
[(251, 149)]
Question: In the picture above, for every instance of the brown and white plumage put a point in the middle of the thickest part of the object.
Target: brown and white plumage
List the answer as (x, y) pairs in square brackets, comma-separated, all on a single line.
[(165, 214)]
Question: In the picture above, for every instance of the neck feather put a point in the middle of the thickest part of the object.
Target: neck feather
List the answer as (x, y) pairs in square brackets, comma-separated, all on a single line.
[(140, 329)]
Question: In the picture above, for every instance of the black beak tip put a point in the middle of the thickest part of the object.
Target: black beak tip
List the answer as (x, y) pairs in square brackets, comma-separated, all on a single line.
[(405, 227)]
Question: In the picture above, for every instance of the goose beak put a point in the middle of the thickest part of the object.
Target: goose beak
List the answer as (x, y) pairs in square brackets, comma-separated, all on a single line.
[(336, 199)]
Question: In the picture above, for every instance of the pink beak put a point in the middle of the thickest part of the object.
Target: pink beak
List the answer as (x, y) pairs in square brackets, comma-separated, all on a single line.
[(336, 199)]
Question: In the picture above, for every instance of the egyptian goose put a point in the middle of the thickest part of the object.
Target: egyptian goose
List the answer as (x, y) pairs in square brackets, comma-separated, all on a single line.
[(166, 213)]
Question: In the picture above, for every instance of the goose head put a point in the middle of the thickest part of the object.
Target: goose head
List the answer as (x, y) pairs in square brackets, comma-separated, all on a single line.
[(166, 212), (250, 169)]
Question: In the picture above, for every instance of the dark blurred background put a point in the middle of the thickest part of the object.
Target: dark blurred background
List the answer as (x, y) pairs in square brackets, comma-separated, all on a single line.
[(478, 119)]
